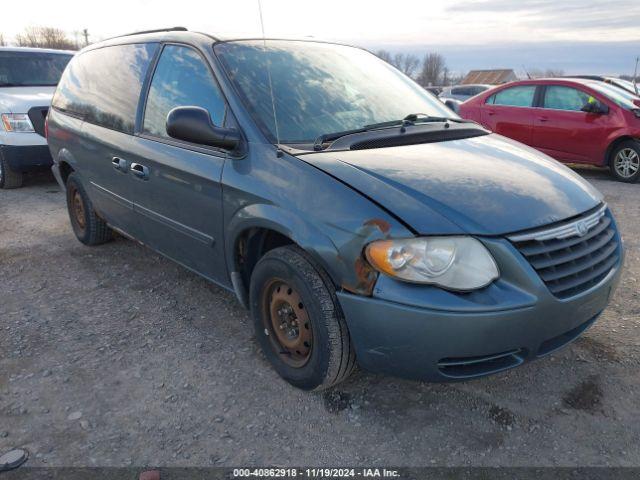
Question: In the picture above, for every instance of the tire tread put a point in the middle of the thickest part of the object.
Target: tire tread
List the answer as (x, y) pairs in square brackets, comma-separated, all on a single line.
[(97, 230), (10, 178), (342, 359)]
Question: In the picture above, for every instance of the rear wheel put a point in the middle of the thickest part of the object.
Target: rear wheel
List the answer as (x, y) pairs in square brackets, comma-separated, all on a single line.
[(625, 161), (9, 178), (87, 226), (298, 320)]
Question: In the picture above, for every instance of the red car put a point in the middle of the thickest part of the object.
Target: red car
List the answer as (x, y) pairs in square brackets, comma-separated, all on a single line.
[(572, 120)]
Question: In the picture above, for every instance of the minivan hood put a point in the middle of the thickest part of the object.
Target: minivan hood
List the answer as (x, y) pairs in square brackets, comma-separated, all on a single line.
[(487, 185), (21, 99)]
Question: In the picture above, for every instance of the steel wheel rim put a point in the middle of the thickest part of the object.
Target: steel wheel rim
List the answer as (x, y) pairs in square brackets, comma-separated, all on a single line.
[(287, 323), (78, 209), (627, 162)]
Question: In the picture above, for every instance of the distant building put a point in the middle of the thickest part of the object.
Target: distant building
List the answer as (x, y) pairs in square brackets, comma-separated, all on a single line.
[(490, 77)]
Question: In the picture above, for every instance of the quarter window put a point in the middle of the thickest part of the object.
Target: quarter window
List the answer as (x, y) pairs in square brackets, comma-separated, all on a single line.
[(103, 85), (565, 98), (521, 96), (181, 79)]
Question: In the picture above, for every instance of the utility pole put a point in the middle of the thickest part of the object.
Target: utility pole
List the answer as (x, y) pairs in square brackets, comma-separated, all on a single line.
[(635, 76), (85, 32)]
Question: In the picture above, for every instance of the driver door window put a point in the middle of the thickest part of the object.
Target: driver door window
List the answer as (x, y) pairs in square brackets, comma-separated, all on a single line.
[(564, 98), (182, 78)]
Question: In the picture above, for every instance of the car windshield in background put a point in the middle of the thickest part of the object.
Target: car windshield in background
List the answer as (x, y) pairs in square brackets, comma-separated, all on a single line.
[(25, 69), (626, 84), (621, 97), (320, 88)]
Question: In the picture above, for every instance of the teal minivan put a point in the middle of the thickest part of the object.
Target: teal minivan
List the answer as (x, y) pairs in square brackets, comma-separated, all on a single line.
[(358, 218)]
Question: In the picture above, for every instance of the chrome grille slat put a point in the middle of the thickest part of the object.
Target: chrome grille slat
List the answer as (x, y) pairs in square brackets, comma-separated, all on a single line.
[(558, 273), (567, 262), (555, 258), (565, 230), (535, 247), (581, 280)]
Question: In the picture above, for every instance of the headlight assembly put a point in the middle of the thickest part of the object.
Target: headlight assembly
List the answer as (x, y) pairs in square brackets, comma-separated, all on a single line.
[(454, 263), (17, 122)]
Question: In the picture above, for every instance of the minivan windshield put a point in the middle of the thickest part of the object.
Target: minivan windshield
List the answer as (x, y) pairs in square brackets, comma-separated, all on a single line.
[(27, 69), (320, 88)]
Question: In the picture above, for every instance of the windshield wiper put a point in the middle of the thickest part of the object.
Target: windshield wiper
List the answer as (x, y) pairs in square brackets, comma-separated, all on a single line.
[(410, 119)]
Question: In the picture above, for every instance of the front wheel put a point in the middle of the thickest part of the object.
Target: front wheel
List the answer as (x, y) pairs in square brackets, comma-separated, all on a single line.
[(625, 161), (9, 178), (298, 320)]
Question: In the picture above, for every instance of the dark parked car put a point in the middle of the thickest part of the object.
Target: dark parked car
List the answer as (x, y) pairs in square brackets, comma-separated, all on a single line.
[(296, 174), (572, 120)]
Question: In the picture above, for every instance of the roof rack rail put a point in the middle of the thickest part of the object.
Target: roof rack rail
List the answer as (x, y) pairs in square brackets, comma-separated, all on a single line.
[(170, 29)]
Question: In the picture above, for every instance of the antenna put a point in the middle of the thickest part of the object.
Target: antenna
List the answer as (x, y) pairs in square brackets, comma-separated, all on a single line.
[(273, 102), (526, 72), (635, 77)]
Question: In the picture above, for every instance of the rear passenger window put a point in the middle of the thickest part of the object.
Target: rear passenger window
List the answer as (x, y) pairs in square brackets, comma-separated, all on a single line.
[(565, 98), (182, 78), (521, 96), (103, 85)]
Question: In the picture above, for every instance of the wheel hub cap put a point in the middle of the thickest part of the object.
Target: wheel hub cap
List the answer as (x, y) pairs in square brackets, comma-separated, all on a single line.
[(627, 162), (288, 323), (78, 209)]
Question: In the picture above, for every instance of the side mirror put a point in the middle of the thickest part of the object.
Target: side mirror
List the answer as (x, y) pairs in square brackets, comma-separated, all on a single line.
[(595, 107), (194, 125)]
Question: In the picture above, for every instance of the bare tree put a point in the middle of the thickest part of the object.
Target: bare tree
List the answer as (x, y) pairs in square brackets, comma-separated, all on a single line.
[(384, 55), (553, 72), (45, 37), (548, 73), (433, 67), (2, 42), (406, 63)]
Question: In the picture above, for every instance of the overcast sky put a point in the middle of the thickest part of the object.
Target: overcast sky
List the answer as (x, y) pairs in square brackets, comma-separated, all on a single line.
[(581, 35)]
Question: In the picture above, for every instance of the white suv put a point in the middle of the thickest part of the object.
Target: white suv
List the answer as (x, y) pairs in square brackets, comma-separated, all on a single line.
[(28, 78)]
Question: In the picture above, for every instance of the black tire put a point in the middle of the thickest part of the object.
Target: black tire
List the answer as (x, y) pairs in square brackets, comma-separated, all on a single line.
[(331, 358), (88, 227), (617, 161), (9, 178)]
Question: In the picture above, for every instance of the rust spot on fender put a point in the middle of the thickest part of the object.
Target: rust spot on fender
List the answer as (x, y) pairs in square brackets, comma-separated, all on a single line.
[(365, 275), (365, 278), (381, 224)]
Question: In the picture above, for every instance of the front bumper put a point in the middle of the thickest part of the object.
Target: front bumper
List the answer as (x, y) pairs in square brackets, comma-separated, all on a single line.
[(22, 158), (425, 333)]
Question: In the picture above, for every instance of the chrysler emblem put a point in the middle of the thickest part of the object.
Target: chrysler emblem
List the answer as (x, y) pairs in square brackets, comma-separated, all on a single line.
[(581, 229)]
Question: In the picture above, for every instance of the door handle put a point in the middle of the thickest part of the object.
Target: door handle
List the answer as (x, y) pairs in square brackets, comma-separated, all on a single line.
[(119, 164), (491, 112), (543, 119), (140, 171)]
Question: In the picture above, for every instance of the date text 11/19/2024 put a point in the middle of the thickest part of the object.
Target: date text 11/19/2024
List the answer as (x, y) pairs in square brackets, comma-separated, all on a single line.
[(315, 473)]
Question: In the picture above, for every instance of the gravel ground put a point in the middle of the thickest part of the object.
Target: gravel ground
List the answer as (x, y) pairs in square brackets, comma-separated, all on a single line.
[(114, 356)]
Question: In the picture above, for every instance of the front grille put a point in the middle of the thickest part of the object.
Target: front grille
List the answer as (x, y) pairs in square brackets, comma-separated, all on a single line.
[(573, 256), (38, 115)]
